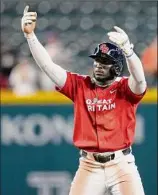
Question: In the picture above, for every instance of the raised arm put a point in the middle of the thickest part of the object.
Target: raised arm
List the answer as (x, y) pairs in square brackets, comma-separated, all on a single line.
[(136, 81), (57, 74)]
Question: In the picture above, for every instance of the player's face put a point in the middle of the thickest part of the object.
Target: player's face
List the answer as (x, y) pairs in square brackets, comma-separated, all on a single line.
[(101, 71)]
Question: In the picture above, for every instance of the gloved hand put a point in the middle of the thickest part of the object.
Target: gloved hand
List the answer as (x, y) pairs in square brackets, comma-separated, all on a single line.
[(120, 38), (28, 21)]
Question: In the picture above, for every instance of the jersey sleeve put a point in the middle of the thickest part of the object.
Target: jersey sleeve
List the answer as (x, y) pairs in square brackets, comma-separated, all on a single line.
[(128, 94), (70, 87)]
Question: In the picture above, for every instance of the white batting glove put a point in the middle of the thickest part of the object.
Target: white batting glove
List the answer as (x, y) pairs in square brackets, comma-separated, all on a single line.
[(28, 21), (120, 38)]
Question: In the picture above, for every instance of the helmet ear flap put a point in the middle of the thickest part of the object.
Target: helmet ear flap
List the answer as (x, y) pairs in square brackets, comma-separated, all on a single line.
[(115, 70)]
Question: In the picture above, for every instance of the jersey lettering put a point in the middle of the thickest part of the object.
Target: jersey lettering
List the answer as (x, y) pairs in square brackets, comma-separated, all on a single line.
[(100, 105)]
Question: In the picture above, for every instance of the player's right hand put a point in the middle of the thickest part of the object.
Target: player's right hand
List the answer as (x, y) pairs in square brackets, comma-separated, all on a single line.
[(28, 21)]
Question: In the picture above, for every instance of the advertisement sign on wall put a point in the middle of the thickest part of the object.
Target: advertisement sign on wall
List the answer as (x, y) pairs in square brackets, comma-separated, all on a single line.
[(38, 157)]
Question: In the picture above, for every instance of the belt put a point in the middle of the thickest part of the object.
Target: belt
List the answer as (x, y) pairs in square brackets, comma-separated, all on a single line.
[(99, 157)]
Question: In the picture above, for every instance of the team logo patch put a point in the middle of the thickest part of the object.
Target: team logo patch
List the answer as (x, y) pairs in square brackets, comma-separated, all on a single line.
[(104, 48)]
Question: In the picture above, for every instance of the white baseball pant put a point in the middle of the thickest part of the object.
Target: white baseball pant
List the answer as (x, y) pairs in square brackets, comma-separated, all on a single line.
[(116, 177)]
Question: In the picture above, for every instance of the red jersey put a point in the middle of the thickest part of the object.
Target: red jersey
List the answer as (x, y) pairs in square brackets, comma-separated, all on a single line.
[(104, 118)]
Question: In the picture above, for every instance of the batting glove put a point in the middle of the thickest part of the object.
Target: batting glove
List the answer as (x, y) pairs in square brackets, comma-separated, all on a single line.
[(120, 38), (28, 21)]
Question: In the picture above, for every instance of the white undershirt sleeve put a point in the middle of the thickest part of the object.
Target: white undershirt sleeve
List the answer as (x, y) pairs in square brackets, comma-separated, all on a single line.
[(136, 81), (57, 74)]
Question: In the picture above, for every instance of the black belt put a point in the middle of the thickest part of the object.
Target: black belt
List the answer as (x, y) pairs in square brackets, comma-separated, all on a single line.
[(99, 157)]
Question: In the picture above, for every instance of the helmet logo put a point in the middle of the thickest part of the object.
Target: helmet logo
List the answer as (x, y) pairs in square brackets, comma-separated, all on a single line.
[(104, 48)]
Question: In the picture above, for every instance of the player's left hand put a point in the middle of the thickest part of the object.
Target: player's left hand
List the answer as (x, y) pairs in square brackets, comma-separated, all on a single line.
[(120, 38)]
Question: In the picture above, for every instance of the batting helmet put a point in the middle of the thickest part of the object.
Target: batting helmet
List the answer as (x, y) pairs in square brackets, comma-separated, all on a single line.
[(108, 53)]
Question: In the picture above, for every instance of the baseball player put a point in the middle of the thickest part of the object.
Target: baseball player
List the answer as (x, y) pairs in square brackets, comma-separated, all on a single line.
[(104, 112)]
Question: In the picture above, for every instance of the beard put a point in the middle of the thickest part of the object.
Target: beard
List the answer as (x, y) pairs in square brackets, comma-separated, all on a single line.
[(104, 79)]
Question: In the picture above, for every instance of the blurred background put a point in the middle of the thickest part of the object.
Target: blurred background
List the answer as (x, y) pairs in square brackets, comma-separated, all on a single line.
[(37, 156), (70, 30)]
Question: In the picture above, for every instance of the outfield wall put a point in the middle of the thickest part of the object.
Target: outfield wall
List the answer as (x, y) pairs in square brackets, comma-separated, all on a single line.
[(37, 155)]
